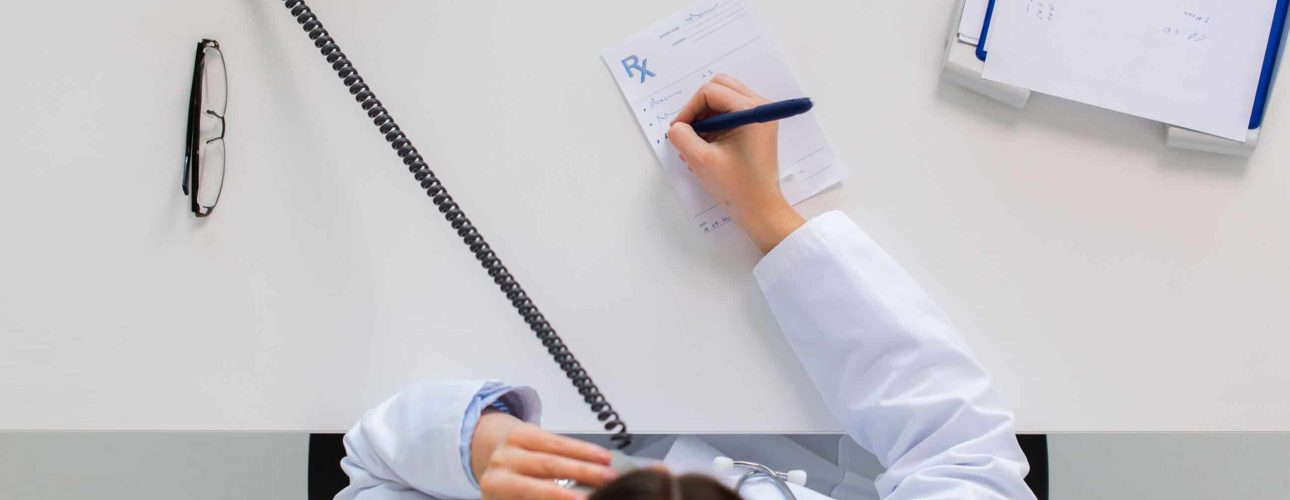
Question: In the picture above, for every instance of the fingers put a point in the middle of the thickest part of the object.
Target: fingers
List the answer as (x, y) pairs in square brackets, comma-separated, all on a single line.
[(692, 147), (737, 86), (535, 439), (504, 484), (530, 459), (712, 98), (547, 466)]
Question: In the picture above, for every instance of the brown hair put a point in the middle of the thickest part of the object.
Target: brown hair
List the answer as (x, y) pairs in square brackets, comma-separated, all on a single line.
[(652, 484)]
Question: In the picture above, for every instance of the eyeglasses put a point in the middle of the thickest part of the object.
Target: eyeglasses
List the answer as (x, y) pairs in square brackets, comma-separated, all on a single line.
[(204, 148)]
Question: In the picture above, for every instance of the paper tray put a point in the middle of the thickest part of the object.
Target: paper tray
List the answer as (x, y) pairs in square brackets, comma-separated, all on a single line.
[(962, 67)]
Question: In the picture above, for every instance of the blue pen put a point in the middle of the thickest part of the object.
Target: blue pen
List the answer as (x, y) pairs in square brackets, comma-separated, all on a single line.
[(760, 114)]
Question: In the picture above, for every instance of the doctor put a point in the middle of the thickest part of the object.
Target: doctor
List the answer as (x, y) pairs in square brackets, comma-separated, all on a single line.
[(887, 363)]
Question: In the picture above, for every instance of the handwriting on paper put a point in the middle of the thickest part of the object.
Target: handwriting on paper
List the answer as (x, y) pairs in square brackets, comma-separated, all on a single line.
[(1194, 64), (712, 225), (1186, 34), (658, 100), (1196, 17), (690, 47), (1043, 10), (666, 115), (1190, 27), (695, 16)]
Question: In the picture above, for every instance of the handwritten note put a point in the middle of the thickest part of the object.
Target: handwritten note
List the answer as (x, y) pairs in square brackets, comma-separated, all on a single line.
[(1191, 63), (1191, 27), (1042, 10), (658, 70)]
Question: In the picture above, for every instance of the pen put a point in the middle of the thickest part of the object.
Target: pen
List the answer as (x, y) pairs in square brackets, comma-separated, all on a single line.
[(760, 114)]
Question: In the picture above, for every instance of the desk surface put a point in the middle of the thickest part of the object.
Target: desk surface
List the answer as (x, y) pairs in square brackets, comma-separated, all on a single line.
[(1108, 283)]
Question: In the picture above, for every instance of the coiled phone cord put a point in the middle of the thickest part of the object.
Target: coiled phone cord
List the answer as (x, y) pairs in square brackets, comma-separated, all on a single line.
[(467, 231)]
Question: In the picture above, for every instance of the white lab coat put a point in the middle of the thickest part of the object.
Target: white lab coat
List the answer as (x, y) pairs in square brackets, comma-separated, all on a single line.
[(885, 360)]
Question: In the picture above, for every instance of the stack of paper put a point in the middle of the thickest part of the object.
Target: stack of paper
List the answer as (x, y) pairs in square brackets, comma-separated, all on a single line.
[(972, 21), (1190, 63), (660, 68)]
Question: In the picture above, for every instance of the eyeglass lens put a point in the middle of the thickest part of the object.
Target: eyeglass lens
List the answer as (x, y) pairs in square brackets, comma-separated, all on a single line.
[(211, 128)]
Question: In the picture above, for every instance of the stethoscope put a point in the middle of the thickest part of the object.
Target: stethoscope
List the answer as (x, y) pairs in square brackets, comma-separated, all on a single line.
[(723, 465)]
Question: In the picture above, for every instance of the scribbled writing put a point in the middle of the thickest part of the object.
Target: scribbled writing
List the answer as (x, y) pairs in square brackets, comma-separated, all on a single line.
[(1191, 27), (1043, 10), (1186, 34), (657, 100), (1196, 17), (695, 16), (662, 117)]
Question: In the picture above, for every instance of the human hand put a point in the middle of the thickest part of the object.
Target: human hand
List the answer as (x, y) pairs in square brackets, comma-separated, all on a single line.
[(515, 459), (739, 168)]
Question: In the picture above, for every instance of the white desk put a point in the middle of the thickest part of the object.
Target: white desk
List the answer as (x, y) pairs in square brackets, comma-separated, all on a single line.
[(1108, 283)]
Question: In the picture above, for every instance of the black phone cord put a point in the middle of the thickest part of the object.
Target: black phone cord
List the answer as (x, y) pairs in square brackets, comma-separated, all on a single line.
[(467, 231)]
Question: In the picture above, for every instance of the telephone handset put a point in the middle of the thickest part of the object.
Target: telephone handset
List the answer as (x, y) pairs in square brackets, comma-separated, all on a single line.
[(467, 231)]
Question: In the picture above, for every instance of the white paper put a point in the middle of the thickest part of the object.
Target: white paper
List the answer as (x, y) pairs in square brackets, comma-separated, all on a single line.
[(684, 50), (1191, 63), (973, 20)]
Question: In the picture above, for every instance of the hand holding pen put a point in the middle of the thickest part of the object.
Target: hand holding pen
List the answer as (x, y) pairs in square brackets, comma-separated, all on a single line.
[(739, 167)]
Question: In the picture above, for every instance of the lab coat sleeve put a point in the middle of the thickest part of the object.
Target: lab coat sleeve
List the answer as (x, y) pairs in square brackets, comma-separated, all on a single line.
[(416, 444), (890, 367)]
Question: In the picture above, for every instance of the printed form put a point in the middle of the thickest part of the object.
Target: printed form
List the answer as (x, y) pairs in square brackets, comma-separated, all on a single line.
[(659, 69)]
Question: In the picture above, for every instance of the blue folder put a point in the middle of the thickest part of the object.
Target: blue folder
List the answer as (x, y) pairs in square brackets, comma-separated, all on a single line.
[(1269, 60)]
